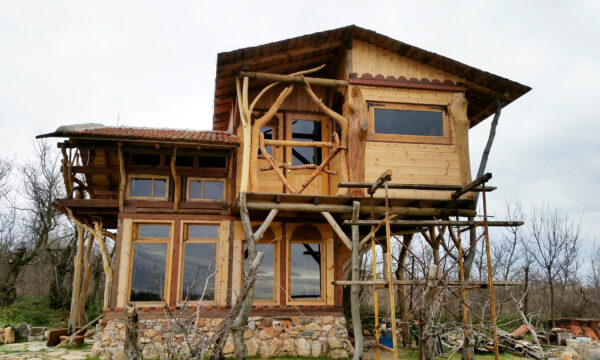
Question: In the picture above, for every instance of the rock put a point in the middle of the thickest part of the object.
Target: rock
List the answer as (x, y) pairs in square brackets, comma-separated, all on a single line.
[(255, 318), (248, 334), (251, 325), (327, 327), (338, 354), (327, 320), (37, 331), (288, 348), (307, 333), (266, 333), (151, 333), (305, 320), (313, 327), (251, 347), (228, 348), (303, 347), (318, 348), (334, 343), (23, 331), (149, 352), (216, 322), (8, 336), (566, 356), (348, 346), (200, 323), (269, 348)]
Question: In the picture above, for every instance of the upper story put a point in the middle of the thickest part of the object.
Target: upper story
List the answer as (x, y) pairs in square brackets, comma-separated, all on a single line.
[(406, 109)]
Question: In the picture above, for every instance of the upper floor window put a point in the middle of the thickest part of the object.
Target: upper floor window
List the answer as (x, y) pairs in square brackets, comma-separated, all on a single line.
[(144, 187), (306, 130), (408, 123), (205, 189)]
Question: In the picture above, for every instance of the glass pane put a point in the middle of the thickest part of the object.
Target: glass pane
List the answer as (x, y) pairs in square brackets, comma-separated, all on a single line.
[(268, 132), (148, 272), (305, 274), (265, 278), (195, 189), (198, 264), (154, 231), (213, 190), (141, 187), (160, 187), (306, 130), (203, 231), (409, 122)]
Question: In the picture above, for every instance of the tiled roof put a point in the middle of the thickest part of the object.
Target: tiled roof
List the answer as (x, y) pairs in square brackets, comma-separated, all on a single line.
[(141, 133)]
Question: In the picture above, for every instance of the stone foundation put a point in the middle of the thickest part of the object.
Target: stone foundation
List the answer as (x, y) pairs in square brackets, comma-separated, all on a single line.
[(307, 336)]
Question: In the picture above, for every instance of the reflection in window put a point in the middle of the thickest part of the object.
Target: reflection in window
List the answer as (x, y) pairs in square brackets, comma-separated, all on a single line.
[(199, 263), (265, 277), (148, 187), (203, 231), (205, 189), (148, 271), (409, 122), (268, 133), (305, 271), (154, 231), (306, 130)]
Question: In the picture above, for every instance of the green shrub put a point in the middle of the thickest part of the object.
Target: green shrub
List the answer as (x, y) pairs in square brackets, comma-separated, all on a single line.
[(34, 311)]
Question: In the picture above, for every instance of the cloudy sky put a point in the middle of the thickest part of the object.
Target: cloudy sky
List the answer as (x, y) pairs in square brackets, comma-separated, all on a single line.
[(153, 62)]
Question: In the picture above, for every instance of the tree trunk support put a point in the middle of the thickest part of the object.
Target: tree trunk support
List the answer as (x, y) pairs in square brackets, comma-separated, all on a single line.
[(354, 294), (490, 280)]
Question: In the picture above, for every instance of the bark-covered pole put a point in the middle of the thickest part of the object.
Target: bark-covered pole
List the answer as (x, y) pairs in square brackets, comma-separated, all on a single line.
[(355, 289)]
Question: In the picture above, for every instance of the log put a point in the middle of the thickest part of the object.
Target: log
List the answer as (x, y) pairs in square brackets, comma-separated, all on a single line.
[(297, 143), (338, 230), (365, 209), (325, 162), (424, 282), (265, 225), (475, 183), (274, 164), (355, 291), (293, 79), (385, 176), (87, 271), (65, 342), (75, 313), (298, 167), (434, 223), (177, 182), (428, 187), (246, 135), (122, 179)]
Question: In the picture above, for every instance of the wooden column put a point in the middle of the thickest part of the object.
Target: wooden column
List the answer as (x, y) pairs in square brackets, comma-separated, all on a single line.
[(176, 181), (87, 271), (357, 135), (75, 313), (355, 290), (122, 179)]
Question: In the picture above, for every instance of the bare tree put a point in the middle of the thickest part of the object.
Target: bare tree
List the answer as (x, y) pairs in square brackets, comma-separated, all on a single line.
[(554, 242)]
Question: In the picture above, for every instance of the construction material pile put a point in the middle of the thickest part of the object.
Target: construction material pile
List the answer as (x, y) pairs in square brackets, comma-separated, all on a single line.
[(484, 343)]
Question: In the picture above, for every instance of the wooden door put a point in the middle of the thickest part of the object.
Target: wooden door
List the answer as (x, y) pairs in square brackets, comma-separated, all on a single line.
[(307, 127)]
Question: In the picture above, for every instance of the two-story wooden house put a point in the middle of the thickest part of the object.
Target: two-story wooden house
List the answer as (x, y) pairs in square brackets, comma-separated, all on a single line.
[(292, 120)]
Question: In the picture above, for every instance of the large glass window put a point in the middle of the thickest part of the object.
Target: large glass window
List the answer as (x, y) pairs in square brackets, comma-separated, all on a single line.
[(205, 189), (264, 286), (148, 187), (306, 130), (149, 263), (305, 263), (199, 262), (409, 122)]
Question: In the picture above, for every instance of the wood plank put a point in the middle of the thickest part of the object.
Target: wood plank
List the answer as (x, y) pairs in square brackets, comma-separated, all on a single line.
[(337, 229)]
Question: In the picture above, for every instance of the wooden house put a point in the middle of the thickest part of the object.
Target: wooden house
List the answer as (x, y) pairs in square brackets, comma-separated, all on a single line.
[(293, 120)]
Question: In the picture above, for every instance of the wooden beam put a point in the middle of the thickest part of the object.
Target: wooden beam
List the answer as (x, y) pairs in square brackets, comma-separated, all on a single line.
[(338, 230), (366, 209), (122, 179), (298, 167), (293, 79), (433, 223), (475, 183), (176, 181), (355, 291), (385, 176), (429, 187), (265, 225), (425, 282), (296, 143)]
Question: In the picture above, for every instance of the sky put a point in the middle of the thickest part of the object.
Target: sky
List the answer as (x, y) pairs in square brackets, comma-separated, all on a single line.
[(152, 63)]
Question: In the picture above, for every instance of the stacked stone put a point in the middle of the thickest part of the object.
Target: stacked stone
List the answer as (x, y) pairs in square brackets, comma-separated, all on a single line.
[(315, 336)]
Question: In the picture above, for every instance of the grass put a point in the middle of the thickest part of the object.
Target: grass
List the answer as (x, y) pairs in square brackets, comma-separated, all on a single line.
[(33, 311)]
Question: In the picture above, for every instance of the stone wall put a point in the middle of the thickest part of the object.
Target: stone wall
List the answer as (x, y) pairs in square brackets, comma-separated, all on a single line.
[(306, 336)]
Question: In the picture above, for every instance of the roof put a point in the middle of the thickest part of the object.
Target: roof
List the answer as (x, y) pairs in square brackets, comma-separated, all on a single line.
[(99, 131), (303, 52)]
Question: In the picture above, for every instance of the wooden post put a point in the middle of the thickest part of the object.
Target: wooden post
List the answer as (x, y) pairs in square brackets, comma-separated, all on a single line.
[(176, 181), (66, 172), (242, 95), (75, 313), (338, 230), (355, 290), (87, 271), (463, 294), (106, 263), (122, 179), (375, 297), (490, 279), (389, 270), (357, 135)]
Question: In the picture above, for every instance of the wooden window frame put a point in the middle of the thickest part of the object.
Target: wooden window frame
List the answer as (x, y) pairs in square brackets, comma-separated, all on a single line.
[(417, 139), (203, 179), (276, 278), (169, 241), (325, 133), (322, 300), (130, 177), (184, 240)]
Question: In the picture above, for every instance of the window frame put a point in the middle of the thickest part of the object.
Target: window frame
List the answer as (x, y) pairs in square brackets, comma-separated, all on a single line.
[(184, 239), (325, 133), (130, 178), (419, 139), (169, 241), (199, 178), (323, 297), (276, 278)]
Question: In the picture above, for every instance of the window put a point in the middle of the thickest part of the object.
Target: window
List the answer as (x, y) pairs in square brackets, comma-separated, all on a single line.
[(306, 130), (268, 131), (306, 264), (265, 285), (205, 189), (148, 187), (149, 262), (410, 123), (199, 261)]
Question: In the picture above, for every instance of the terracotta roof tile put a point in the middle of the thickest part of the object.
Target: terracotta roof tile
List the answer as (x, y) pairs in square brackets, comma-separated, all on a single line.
[(132, 133)]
